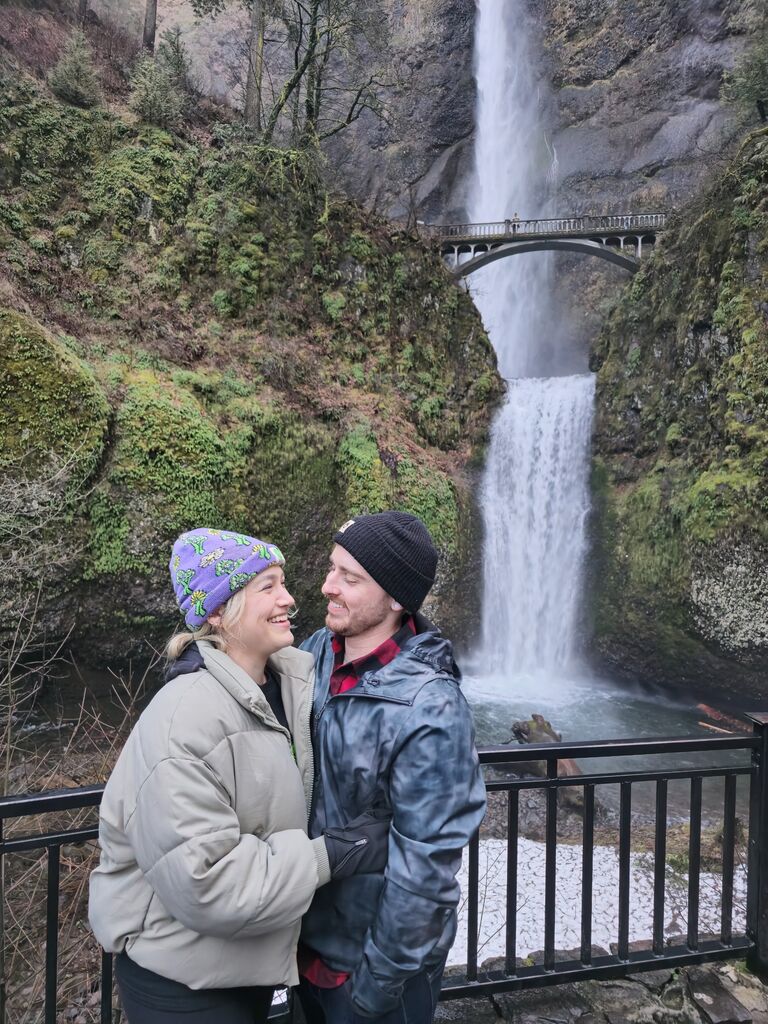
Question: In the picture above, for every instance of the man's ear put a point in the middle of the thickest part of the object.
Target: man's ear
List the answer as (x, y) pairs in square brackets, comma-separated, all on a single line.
[(394, 605)]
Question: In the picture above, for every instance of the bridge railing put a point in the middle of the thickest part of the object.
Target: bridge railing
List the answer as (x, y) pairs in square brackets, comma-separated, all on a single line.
[(587, 225), (509, 973)]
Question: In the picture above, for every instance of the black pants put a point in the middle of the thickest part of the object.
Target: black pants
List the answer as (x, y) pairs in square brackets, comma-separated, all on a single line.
[(148, 998)]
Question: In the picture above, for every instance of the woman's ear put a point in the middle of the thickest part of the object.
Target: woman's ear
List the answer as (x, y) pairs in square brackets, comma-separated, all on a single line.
[(214, 619)]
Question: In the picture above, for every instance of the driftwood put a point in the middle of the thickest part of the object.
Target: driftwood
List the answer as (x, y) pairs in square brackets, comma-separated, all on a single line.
[(538, 730)]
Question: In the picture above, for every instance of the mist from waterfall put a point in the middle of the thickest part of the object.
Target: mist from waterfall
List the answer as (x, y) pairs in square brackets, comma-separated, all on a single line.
[(535, 495)]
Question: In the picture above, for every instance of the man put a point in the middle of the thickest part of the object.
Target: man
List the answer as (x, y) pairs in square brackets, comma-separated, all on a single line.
[(392, 734)]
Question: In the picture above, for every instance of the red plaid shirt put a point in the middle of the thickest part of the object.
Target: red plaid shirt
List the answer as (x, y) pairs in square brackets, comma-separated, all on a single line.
[(344, 677)]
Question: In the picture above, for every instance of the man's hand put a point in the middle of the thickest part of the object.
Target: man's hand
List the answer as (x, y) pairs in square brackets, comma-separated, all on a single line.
[(360, 846)]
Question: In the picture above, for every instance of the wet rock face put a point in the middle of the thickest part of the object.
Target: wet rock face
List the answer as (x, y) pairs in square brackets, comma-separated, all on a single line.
[(634, 103), (418, 162), (637, 103), (677, 586)]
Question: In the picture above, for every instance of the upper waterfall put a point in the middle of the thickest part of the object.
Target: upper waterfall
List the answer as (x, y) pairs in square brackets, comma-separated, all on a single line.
[(514, 168), (535, 496)]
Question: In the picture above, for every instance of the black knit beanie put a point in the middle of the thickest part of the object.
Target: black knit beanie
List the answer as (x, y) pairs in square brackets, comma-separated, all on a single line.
[(395, 548)]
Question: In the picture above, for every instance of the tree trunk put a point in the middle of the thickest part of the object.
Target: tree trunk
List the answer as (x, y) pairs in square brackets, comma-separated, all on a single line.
[(150, 26), (255, 66), (310, 112), (296, 116), (287, 91)]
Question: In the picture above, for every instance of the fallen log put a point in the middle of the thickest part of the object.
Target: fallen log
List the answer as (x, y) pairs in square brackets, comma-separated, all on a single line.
[(537, 729), (733, 723)]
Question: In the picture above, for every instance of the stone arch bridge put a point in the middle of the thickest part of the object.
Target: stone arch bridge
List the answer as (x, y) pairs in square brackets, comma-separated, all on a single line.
[(620, 239)]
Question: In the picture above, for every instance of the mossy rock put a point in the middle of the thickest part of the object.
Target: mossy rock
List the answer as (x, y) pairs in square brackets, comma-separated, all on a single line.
[(50, 401), (682, 447), (274, 358), (166, 469), (149, 177)]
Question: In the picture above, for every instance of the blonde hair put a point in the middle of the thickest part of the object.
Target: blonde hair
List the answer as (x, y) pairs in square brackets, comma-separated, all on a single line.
[(231, 613)]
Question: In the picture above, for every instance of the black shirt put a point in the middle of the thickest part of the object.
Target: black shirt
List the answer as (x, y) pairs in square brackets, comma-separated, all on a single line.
[(271, 690)]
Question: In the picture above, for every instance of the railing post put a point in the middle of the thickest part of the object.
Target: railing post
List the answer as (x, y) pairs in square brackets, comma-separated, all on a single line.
[(757, 884), (2, 925)]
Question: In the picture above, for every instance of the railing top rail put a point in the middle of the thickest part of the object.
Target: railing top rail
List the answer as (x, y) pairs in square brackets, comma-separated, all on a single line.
[(50, 801), (616, 748), (539, 225)]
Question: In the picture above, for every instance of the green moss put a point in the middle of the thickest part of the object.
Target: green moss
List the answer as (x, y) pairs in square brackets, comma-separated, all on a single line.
[(334, 304), (656, 555), (431, 495), (369, 486), (50, 402), (723, 498), (151, 176), (108, 533), (165, 445), (44, 145)]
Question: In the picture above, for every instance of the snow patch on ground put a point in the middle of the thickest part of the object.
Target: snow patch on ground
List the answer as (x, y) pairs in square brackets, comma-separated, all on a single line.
[(605, 895)]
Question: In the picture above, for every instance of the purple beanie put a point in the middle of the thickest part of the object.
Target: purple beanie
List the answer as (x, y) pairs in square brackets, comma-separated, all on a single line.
[(209, 566)]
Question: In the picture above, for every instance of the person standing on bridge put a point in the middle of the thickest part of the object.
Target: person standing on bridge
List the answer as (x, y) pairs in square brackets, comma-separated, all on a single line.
[(206, 866), (392, 729)]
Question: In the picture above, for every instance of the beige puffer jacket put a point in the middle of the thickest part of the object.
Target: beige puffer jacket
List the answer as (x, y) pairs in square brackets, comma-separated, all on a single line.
[(206, 868)]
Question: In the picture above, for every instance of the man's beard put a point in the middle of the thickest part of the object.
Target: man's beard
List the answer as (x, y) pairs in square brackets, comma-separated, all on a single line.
[(362, 619)]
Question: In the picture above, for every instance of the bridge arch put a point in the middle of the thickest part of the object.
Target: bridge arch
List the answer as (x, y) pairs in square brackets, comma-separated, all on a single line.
[(581, 245)]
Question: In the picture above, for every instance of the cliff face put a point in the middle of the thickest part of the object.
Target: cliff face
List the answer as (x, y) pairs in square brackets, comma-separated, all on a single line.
[(201, 335), (633, 107), (679, 589), (638, 118), (417, 157)]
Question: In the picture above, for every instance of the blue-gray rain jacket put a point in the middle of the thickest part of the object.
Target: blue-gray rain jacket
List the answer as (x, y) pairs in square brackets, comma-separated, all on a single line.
[(401, 739)]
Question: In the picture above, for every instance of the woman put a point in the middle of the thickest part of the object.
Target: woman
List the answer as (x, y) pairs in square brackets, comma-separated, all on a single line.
[(205, 866)]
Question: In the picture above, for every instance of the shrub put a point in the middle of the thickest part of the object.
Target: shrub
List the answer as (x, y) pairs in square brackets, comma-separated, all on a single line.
[(173, 56), (155, 97), (74, 79), (747, 84)]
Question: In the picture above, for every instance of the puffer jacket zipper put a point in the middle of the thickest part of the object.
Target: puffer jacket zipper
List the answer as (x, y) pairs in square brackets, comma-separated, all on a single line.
[(268, 719)]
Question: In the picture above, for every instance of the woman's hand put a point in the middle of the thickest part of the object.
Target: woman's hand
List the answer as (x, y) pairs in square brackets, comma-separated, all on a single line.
[(359, 847)]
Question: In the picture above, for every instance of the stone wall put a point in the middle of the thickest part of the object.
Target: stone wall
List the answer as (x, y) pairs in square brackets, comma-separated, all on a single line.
[(725, 994)]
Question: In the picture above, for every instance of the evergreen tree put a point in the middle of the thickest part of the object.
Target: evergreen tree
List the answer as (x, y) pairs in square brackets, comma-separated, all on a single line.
[(173, 56), (74, 79), (155, 96)]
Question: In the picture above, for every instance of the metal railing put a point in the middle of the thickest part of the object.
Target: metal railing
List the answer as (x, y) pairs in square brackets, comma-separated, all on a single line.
[(550, 226), (753, 943)]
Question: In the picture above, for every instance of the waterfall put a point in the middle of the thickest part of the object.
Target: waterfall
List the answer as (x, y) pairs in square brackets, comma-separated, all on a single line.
[(535, 503), (535, 493)]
